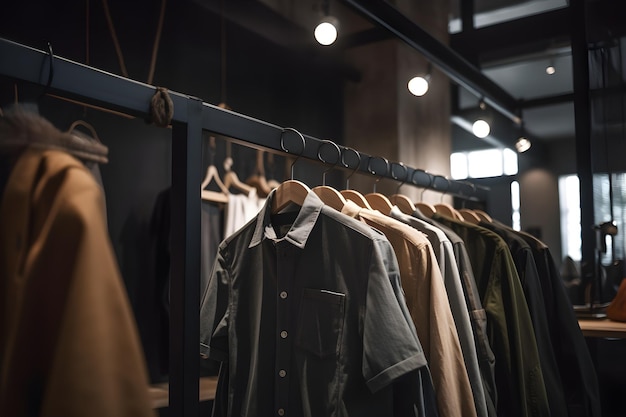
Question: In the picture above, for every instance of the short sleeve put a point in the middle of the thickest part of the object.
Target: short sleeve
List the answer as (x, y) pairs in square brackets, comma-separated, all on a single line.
[(390, 344), (214, 312)]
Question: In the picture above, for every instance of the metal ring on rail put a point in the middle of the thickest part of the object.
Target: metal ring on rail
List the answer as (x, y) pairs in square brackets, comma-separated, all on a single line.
[(282, 145), (424, 188), (356, 168), (443, 192), (371, 171), (397, 178), (319, 156)]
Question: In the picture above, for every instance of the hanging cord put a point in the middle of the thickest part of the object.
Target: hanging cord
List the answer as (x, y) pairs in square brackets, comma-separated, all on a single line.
[(116, 43), (223, 51), (157, 40)]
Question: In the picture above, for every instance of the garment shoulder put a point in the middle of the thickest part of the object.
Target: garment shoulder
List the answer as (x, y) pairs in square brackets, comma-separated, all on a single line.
[(351, 223)]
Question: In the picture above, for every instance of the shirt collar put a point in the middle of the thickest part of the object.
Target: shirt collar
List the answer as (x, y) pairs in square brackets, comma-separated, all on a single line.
[(301, 227)]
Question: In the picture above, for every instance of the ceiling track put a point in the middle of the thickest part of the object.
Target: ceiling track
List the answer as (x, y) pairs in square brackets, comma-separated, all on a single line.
[(457, 68)]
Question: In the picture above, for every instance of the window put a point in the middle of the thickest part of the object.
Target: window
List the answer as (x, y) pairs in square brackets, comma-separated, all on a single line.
[(483, 163), (569, 201), (515, 205)]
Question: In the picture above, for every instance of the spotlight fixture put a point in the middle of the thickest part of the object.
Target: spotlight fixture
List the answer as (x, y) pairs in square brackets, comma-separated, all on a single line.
[(522, 144), (418, 85), (481, 127), (550, 69), (326, 31)]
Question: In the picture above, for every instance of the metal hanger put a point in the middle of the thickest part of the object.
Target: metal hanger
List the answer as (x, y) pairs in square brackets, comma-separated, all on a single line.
[(403, 202), (378, 201), (349, 194), (327, 194), (290, 191)]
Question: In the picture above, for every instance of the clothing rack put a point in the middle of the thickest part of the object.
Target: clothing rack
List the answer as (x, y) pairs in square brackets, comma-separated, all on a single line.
[(191, 117)]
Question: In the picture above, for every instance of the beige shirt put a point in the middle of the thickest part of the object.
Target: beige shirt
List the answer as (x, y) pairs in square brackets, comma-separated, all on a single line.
[(429, 307), (69, 340)]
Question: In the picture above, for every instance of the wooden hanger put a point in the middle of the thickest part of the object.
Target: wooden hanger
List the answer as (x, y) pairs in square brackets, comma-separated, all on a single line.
[(258, 180), (483, 215), (426, 209), (469, 216), (330, 196), (357, 198), (290, 191), (403, 202), (232, 180), (447, 210), (379, 202), (215, 196)]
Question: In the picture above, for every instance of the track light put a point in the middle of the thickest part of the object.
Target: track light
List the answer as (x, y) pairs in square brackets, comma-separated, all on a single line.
[(418, 85), (326, 30), (522, 144), (550, 69), (481, 127)]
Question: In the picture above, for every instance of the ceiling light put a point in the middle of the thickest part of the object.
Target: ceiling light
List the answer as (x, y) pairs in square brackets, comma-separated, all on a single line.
[(326, 30), (418, 86), (481, 128), (523, 144), (550, 69)]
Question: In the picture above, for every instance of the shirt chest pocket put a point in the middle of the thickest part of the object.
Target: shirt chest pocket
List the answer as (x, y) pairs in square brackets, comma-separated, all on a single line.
[(320, 323)]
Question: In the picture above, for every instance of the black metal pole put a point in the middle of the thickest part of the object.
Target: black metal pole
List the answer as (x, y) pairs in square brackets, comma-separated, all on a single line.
[(584, 154), (185, 264)]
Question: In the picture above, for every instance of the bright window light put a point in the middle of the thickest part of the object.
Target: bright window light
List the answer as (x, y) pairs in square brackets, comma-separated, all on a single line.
[(487, 163), (458, 165), (515, 205), (569, 202), (483, 163)]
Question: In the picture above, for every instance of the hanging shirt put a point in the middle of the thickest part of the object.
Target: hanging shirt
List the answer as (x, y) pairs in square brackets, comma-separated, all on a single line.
[(69, 341), (442, 248), (478, 316), (520, 385), (529, 278), (241, 208), (309, 318), (578, 376), (428, 303)]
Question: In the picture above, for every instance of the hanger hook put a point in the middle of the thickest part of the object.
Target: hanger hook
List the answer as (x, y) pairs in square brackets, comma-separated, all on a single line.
[(397, 178), (282, 145), (472, 188), (443, 192), (50, 71), (369, 168), (356, 168), (424, 187), (319, 156)]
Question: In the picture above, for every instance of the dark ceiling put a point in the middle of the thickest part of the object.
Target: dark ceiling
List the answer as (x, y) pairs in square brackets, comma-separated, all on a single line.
[(507, 42)]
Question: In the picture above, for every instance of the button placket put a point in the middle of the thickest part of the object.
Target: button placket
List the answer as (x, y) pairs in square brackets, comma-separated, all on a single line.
[(284, 269)]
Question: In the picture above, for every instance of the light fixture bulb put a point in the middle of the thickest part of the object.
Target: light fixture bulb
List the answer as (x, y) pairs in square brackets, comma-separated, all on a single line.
[(481, 128), (523, 144), (418, 86), (326, 32), (550, 69)]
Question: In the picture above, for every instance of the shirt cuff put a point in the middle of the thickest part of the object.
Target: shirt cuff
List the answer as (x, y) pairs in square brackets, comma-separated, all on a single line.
[(390, 374)]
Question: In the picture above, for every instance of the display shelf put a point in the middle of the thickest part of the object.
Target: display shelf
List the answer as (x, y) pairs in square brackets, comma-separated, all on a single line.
[(159, 393), (603, 328)]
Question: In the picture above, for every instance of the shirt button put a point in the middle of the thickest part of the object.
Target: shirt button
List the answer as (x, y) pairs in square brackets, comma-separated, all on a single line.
[(281, 412), (283, 294), (282, 373), (283, 334)]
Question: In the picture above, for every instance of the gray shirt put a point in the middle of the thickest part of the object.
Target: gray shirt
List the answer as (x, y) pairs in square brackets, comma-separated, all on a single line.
[(444, 253), (309, 319)]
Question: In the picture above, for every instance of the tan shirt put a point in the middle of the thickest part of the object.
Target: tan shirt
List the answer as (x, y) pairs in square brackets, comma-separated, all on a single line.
[(69, 341), (429, 307)]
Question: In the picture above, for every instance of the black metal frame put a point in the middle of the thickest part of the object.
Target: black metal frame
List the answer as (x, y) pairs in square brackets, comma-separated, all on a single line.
[(191, 116)]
